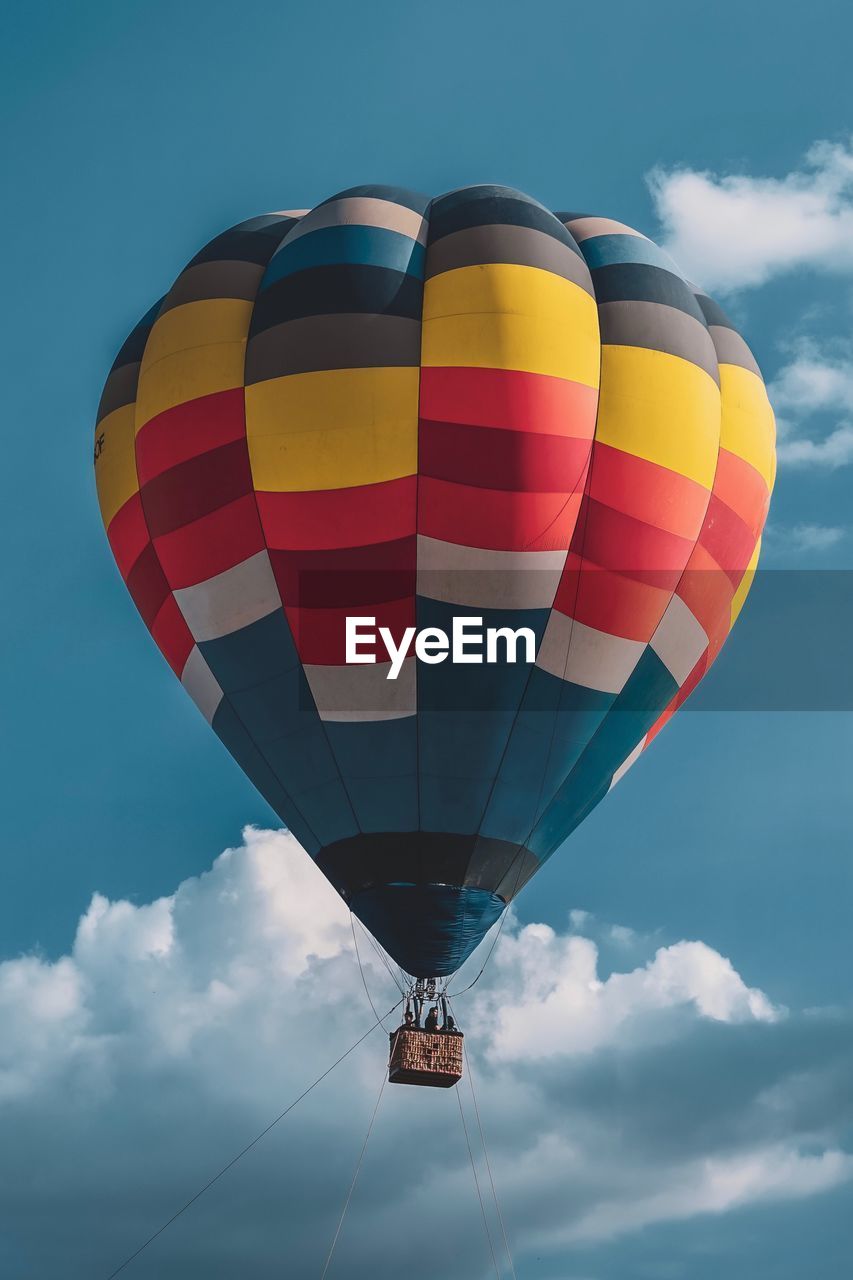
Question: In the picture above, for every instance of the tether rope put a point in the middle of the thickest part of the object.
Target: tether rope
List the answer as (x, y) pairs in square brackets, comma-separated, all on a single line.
[(398, 979), (488, 1162), (363, 978), (504, 914), (355, 1175), (230, 1165), (477, 1183)]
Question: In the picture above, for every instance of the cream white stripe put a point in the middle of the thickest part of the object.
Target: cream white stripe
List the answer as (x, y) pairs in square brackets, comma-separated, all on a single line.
[(357, 692), (360, 211), (484, 579), (201, 684), (230, 600), (627, 762), (581, 655), (586, 228), (679, 640)]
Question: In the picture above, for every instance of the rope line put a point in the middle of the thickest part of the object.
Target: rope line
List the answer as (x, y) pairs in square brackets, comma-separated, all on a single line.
[(488, 956), (488, 1162), (537, 814), (397, 978), (376, 1014), (356, 1173), (247, 1148), (477, 1183)]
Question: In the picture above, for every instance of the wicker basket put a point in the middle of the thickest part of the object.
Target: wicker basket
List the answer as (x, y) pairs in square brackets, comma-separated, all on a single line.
[(426, 1058)]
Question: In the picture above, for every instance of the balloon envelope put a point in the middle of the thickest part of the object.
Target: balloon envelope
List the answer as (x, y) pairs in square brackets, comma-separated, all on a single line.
[(417, 410)]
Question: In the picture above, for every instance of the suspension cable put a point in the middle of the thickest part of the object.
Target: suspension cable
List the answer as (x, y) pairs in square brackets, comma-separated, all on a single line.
[(488, 1162), (363, 978), (488, 955), (477, 1183), (248, 1146), (397, 980), (536, 813), (356, 1173), (380, 951)]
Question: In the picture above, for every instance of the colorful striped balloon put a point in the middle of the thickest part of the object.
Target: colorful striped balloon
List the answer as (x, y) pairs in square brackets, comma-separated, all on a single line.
[(415, 410)]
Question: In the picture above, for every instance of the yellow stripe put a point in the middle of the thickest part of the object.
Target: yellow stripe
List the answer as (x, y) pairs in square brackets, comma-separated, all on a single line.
[(186, 375), (193, 350), (197, 324), (745, 584), (661, 408), (505, 316), (333, 429), (749, 428), (115, 464)]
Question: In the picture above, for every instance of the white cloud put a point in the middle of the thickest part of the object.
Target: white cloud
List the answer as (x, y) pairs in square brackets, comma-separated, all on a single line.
[(813, 381), (550, 1000), (716, 1186), (813, 388), (804, 538), (135, 1066), (736, 231), (833, 451)]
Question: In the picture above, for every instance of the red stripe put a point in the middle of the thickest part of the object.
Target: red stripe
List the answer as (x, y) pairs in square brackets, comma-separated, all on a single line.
[(742, 488), (172, 635), (194, 488), (346, 578), (501, 459), (647, 491), (189, 429), (147, 585), (330, 518), (496, 519), (628, 546), (708, 592), (727, 539), (208, 546), (508, 398), (128, 534), (609, 602), (680, 698), (320, 634)]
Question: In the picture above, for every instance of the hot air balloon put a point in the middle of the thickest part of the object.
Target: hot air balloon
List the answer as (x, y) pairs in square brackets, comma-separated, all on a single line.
[(416, 411)]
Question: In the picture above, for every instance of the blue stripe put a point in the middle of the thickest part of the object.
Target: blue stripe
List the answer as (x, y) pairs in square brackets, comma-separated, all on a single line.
[(379, 761), (647, 693), (609, 250), (357, 245), (252, 655), (232, 734), (465, 714), (259, 670), (429, 929), (555, 724)]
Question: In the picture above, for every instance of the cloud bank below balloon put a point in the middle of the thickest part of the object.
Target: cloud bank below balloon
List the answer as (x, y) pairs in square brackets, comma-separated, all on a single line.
[(621, 1084)]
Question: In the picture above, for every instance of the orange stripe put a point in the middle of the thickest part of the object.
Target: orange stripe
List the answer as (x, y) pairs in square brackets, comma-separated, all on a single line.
[(646, 491), (743, 489)]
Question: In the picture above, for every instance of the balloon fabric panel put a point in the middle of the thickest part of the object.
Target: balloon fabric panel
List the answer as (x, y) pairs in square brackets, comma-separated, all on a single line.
[(419, 410)]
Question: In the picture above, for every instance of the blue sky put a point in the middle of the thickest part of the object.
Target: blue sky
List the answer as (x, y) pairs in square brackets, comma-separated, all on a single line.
[(132, 134)]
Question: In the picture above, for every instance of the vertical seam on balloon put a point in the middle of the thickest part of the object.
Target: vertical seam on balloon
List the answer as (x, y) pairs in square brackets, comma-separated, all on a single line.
[(589, 463), (648, 645), (757, 546), (587, 487), (225, 697), (320, 721), (427, 214)]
